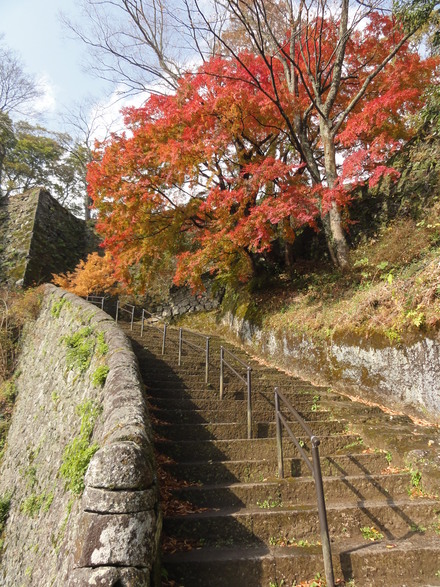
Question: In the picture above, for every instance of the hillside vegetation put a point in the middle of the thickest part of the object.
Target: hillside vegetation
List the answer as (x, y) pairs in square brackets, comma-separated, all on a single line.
[(393, 287)]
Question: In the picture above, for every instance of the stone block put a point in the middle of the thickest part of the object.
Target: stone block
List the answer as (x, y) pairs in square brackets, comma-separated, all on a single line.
[(119, 466), (108, 576), (103, 501), (115, 540)]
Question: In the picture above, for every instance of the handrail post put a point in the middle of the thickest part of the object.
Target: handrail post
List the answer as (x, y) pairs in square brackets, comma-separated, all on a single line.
[(164, 337), (279, 436), (222, 356), (117, 311), (180, 347), (249, 403), (207, 361), (142, 323), (102, 303), (132, 318), (325, 540)]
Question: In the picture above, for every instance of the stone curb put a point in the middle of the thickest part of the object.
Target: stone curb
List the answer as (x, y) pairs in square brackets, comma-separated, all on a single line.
[(118, 526)]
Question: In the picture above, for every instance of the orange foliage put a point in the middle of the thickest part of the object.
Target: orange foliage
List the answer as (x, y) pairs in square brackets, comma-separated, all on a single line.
[(93, 276), (212, 176)]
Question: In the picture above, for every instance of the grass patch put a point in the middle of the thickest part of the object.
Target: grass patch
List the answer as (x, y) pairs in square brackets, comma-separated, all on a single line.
[(8, 391), (32, 505), (101, 345), (371, 533), (80, 347), (77, 454), (284, 541), (270, 503), (58, 306), (5, 504), (99, 376)]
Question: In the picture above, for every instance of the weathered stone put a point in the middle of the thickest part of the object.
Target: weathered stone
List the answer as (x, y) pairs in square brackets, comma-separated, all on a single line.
[(39, 550), (405, 378), (117, 502), (108, 576), (135, 433), (122, 418), (120, 466), (40, 237), (116, 539)]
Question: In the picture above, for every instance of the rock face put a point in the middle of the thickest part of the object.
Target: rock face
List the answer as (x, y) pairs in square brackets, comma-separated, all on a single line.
[(39, 237), (182, 300), (108, 535), (406, 378)]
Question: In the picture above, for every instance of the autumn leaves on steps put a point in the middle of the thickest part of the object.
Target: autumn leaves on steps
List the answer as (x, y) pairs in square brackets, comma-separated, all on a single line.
[(228, 519)]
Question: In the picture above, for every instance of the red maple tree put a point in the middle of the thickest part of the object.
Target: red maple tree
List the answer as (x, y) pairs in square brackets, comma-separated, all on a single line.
[(210, 177)]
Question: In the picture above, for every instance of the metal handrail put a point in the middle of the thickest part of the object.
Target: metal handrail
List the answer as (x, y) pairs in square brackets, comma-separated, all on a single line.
[(97, 300), (196, 347), (315, 468), (165, 326), (247, 381), (119, 309)]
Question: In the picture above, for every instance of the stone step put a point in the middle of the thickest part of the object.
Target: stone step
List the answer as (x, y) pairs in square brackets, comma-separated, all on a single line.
[(175, 383), (239, 540), (257, 470), (152, 363), (396, 563), (296, 491), (262, 448), (229, 415), (197, 383), (394, 519), (152, 359), (259, 402), (230, 430), (211, 392)]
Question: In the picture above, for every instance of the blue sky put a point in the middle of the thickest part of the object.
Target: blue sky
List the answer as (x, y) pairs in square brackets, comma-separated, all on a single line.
[(33, 29)]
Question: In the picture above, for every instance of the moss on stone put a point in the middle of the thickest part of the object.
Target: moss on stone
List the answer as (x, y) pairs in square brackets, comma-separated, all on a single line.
[(77, 454)]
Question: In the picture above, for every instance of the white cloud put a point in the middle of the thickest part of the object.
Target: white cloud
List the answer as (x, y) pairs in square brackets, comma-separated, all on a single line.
[(108, 111), (47, 102)]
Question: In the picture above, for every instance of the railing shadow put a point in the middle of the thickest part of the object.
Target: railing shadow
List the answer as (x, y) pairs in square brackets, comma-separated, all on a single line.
[(189, 464), (193, 522)]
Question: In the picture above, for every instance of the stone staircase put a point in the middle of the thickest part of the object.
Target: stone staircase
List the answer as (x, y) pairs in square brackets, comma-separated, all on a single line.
[(229, 521)]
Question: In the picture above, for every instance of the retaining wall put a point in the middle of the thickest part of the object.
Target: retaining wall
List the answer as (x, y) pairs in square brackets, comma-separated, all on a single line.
[(406, 378), (107, 536)]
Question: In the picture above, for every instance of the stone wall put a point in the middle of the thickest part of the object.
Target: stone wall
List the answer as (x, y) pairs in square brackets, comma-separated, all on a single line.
[(57, 535), (182, 300), (406, 378), (38, 237)]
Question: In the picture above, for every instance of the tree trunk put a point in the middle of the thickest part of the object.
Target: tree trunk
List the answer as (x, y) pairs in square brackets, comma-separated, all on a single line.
[(87, 203), (289, 258), (338, 240), (325, 219), (338, 236)]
